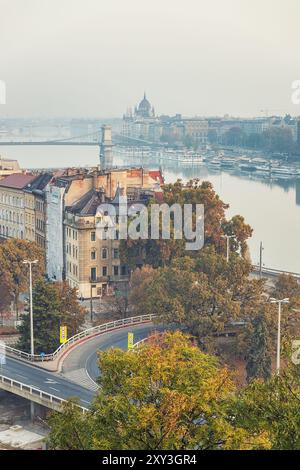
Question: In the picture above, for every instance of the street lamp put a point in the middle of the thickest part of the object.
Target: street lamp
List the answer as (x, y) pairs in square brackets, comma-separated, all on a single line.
[(30, 263), (227, 245), (279, 302)]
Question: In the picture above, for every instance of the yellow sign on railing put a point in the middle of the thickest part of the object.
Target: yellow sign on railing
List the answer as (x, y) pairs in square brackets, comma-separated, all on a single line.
[(63, 336), (130, 340)]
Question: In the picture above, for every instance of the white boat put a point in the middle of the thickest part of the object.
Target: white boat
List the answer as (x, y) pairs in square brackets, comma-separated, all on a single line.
[(228, 162), (285, 171), (215, 162), (191, 158)]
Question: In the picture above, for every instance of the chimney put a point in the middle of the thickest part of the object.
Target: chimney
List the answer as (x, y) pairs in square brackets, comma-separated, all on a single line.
[(95, 180)]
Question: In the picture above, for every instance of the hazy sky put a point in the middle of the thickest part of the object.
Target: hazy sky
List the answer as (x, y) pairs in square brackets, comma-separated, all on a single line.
[(96, 57)]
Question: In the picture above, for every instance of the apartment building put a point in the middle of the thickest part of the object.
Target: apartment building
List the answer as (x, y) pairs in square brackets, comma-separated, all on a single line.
[(93, 264), (197, 129), (12, 205), (35, 209), (8, 167), (67, 189), (23, 208)]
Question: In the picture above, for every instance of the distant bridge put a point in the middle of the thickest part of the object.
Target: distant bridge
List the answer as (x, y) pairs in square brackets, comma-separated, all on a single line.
[(85, 140), (271, 272)]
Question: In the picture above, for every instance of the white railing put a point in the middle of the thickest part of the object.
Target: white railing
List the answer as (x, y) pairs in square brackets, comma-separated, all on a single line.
[(273, 272), (90, 332), (52, 400)]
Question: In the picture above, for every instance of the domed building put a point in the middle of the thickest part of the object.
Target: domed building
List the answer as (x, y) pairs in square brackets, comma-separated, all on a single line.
[(144, 109), (142, 123)]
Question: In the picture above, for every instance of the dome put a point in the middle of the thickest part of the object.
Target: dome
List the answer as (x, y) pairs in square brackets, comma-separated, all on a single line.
[(144, 108)]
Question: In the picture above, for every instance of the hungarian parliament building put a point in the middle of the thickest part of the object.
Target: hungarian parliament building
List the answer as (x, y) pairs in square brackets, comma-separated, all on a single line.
[(143, 124)]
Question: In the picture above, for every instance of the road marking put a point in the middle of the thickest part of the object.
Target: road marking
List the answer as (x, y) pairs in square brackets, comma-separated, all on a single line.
[(52, 388), (23, 376), (50, 381), (84, 401)]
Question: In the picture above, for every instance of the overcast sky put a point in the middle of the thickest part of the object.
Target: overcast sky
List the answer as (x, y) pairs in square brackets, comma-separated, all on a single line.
[(96, 57)]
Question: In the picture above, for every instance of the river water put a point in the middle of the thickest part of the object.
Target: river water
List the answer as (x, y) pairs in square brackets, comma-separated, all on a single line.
[(271, 207)]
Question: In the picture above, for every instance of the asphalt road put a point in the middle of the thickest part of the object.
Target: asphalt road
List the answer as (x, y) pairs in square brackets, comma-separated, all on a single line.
[(81, 363), (80, 370), (49, 382)]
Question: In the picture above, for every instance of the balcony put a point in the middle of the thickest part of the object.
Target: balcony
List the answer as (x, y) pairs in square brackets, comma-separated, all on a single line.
[(98, 279)]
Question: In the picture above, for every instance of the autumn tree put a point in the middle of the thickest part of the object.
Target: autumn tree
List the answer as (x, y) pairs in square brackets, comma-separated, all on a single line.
[(118, 304), (167, 395), (12, 254), (287, 286), (273, 405), (141, 279), (161, 252), (204, 293), (72, 314), (6, 296)]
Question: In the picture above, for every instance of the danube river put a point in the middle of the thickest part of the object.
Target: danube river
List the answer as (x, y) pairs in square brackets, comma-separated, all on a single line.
[(271, 207)]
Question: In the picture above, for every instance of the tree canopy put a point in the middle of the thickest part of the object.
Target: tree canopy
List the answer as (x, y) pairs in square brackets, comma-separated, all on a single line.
[(14, 277), (166, 395), (161, 252), (54, 305)]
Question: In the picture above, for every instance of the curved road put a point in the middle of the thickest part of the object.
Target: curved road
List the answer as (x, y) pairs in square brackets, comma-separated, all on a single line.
[(79, 370), (80, 365), (49, 382)]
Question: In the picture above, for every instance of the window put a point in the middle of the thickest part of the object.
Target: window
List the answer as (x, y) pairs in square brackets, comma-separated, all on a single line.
[(116, 270), (104, 253), (116, 253), (93, 236), (123, 270), (93, 254), (104, 270), (93, 274)]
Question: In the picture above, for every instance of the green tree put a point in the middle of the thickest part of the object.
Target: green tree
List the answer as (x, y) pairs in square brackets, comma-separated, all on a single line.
[(167, 395), (212, 136), (278, 139), (259, 363), (46, 323), (54, 305), (234, 136)]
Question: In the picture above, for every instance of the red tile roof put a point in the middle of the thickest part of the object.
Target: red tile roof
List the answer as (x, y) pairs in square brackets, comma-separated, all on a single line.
[(17, 181), (157, 175)]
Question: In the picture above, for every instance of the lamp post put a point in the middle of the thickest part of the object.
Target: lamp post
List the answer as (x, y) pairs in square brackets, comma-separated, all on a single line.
[(261, 249), (279, 302), (30, 263), (227, 245)]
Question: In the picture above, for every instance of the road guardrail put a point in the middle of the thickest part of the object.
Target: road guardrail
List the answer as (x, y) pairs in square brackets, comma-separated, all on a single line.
[(33, 393), (90, 332)]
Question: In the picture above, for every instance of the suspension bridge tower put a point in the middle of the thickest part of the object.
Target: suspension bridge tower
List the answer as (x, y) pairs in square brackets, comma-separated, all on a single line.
[(106, 146)]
